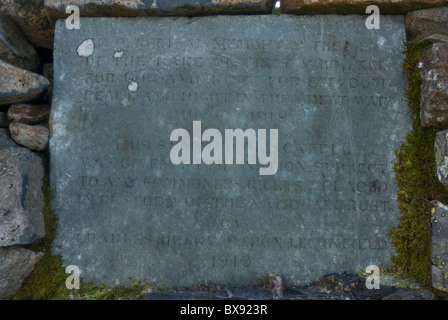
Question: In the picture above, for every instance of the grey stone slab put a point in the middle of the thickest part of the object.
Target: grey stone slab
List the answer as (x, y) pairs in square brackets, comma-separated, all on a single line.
[(335, 92)]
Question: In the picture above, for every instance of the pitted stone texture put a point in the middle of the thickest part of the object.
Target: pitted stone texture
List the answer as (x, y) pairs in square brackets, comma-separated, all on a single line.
[(34, 137), (335, 92), (21, 205), (18, 85), (31, 18), (14, 48), (439, 247), (423, 23), (15, 265), (357, 6), (434, 87), (29, 113)]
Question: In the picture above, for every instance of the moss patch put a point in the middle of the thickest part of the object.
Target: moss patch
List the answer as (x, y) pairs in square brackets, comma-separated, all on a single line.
[(47, 281), (417, 184)]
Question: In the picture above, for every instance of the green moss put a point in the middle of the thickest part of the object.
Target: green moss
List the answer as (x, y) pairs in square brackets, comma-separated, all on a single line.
[(417, 184), (47, 281)]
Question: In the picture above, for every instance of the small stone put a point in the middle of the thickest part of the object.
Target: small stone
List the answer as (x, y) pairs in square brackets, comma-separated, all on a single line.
[(34, 137), (28, 113), (434, 88), (21, 197), (4, 121), (14, 48), (15, 265), (18, 85), (422, 23), (274, 284)]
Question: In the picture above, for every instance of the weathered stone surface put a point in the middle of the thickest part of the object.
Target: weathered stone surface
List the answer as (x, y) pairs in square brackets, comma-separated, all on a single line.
[(34, 137), (434, 87), (15, 265), (441, 156), (18, 85), (21, 173), (102, 8), (405, 294), (29, 113), (434, 38), (14, 48), (439, 246), (336, 97), (423, 23), (31, 18), (4, 121), (7, 143), (357, 6)]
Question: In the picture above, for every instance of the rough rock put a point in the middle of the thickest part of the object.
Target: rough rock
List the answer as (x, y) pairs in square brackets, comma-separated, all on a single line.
[(434, 38), (441, 156), (357, 6), (28, 113), (14, 48), (34, 137), (274, 284), (4, 121), (404, 294), (31, 18), (439, 246), (21, 197), (434, 88), (15, 265), (423, 23), (88, 8), (18, 85), (7, 143)]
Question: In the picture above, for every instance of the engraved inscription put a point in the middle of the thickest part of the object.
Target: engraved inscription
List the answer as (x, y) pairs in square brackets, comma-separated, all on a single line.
[(334, 97)]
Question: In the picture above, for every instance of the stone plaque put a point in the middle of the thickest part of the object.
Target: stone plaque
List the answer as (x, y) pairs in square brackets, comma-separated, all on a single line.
[(150, 183)]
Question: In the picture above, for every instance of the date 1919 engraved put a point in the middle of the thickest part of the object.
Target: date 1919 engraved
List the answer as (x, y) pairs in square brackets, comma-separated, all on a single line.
[(235, 261)]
